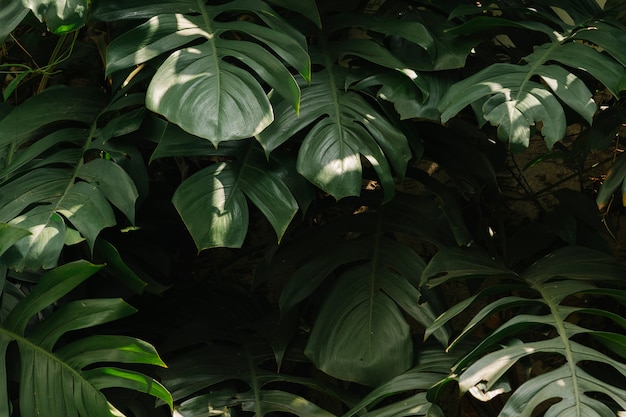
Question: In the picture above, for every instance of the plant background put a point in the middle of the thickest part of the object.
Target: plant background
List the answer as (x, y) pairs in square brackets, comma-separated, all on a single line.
[(395, 208)]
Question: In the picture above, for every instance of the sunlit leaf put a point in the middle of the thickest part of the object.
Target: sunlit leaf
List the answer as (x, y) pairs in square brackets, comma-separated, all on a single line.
[(55, 380)]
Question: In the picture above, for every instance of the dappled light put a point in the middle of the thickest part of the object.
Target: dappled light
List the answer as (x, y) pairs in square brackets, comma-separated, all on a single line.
[(312, 208)]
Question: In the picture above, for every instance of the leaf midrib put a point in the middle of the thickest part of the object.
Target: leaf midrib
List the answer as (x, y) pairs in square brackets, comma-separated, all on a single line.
[(533, 66), (216, 59), (569, 354), (50, 355)]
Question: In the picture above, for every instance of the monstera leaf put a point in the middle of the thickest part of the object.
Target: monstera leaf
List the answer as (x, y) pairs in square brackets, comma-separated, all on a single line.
[(361, 333), (210, 89), (341, 127), (544, 296), (515, 97), (50, 184), (213, 202), (66, 377)]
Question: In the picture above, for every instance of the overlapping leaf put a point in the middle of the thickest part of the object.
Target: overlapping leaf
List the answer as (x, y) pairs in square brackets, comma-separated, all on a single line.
[(548, 286), (512, 98), (217, 364), (360, 333), (213, 202), (39, 183), (432, 369), (341, 126), (199, 87), (68, 380), (230, 362)]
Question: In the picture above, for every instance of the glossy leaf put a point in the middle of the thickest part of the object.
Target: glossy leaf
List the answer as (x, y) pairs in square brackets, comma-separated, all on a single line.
[(213, 203), (550, 283), (243, 360), (282, 401), (114, 183), (54, 380), (514, 103), (197, 87), (341, 126), (433, 367), (9, 235), (39, 191), (361, 315), (455, 263)]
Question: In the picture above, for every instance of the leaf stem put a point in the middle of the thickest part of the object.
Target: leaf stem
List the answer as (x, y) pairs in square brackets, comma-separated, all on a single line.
[(258, 409)]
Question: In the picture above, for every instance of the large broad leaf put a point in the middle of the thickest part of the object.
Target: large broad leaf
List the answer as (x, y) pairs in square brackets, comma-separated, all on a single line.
[(360, 333), (341, 127), (199, 87), (213, 203), (60, 16), (547, 287), (411, 98), (513, 101), (68, 380), (44, 157), (9, 235)]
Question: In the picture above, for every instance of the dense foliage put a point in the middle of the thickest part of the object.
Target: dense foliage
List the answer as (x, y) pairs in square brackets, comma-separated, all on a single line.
[(312, 208)]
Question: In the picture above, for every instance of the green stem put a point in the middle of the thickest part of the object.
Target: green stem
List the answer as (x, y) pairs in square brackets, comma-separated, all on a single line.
[(58, 56), (258, 409)]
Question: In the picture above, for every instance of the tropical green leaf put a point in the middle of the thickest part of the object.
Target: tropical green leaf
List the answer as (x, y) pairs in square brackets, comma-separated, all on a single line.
[(60, 16), (197, 87), (114, 183), (244, 356), (11, 14), (56, 380), (511, 99), (140, 9), (111, 256), (341, 126), (514, 102), (213, 204), (569, 383), (433, 366), (361, 315), (609, 37), (550, 283), (37, 182), (9, 235), (441, 50), (455, 263), (282, 401)]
